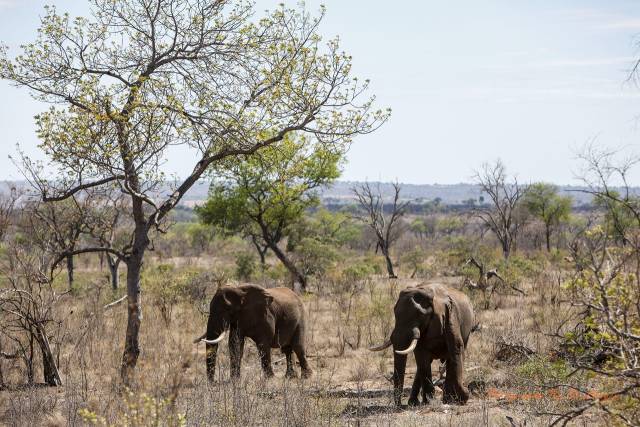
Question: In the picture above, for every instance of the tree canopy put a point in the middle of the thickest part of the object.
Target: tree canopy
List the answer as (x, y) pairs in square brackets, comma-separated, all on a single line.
[(263, 195), (544, 202)]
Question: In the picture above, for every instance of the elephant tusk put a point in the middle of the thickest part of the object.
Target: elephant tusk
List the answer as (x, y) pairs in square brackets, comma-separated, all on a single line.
[(215, 341), (412, 347), (418, 307), (381, 346), (197, 340)]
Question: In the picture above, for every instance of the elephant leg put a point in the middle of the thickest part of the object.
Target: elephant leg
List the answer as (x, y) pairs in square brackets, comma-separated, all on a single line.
[(418, 379), (428, 389), (302, 358), (291, 372), (236, 350), (211, 354), (454, 390), (265, 359), (399, 366)]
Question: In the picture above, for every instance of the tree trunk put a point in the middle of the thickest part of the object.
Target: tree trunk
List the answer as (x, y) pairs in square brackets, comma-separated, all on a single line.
[(387, 257), (114, 263), (262, 251), (134, 308), (70, 269), (506, 248), (297, 275), (548, 237), (49, 367)]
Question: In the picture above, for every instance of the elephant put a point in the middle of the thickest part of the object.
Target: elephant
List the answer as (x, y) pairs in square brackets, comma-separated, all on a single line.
[(272, 318), (434, 322)]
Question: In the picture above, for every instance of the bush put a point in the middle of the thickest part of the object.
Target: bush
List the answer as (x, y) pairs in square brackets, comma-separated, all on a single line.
[(141, 410), (541, 370), (245, 266)]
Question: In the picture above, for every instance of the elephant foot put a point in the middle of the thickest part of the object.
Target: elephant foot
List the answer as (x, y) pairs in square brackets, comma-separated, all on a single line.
[(413, 401), (307, 373), (426, 398), (457, 395), (268, 374), (291, 374)]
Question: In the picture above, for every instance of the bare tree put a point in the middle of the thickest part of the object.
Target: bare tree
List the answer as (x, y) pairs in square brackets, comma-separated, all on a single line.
[(386, 226), (27, 308), (7, 208), (141, 76), (502, 216), (108, 225), (57, 228), (483, 282)]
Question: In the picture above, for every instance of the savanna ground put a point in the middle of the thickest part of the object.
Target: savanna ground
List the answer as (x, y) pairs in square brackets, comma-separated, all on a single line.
[(511, 361)]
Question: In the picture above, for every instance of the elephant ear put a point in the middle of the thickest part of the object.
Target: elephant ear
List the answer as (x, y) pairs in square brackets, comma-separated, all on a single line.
[(257, 297), (233, 298), (438, 320), (452, 334)]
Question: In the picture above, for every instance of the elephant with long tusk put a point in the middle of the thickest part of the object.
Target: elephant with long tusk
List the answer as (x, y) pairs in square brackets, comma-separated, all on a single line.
[(272, 318), (434, 322)]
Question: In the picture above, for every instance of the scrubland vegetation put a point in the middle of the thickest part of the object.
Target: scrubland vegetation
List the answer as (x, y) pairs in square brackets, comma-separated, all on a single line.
[(556, 337)]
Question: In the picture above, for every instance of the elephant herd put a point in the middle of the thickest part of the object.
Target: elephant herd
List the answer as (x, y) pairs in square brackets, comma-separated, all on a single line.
[(431, 320)]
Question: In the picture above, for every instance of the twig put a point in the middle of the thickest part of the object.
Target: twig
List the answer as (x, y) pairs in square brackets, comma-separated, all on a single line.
[(116, 302)]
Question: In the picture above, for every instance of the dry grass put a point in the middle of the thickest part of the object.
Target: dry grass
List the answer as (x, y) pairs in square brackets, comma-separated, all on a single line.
[(350, 385)]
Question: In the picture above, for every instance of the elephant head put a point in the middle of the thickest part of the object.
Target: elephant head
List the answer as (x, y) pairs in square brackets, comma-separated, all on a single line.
[(228, 307), (425, 322)]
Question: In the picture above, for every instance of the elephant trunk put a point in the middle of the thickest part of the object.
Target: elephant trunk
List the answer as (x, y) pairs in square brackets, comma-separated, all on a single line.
[(400, 360), (399, 365), (212, 354), (215, 333)]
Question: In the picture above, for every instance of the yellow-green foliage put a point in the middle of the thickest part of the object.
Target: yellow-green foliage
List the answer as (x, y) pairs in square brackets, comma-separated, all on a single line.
[(141, 410), (540, 370)]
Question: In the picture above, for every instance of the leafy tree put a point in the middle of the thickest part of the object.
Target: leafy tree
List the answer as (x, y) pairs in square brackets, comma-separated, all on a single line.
[(543, 202), (424, 227), (449, 225), (141, 76), (331, 228), (265, 194), (619, 217)]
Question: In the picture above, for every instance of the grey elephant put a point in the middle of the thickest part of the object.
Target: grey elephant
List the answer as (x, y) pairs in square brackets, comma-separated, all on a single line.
[(272, 318), (434, 322)]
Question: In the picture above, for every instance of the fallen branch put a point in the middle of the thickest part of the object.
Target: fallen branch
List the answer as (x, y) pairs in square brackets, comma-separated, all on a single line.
[(8, 356), (116, 302)]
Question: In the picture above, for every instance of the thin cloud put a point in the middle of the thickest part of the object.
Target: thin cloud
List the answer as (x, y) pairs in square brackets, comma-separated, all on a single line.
[(6, 4), (564, 63), (599, 19), (623, 24)]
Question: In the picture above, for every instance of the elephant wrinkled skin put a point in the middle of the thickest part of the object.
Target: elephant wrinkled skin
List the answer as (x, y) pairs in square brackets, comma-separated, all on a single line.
[(434, 322), (272, 318)]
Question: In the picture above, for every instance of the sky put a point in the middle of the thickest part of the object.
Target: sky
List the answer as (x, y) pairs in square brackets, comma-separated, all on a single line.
[(468, 82)]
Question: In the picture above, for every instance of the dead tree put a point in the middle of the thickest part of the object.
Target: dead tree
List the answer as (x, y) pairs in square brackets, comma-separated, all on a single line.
[(27, 309), (107, 224), (502, 216), (387, 227), (57, 228), (484, 282), (8, 203)]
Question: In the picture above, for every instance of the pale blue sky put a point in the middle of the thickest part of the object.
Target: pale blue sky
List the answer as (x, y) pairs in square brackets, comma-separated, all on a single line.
[(468, 81)]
